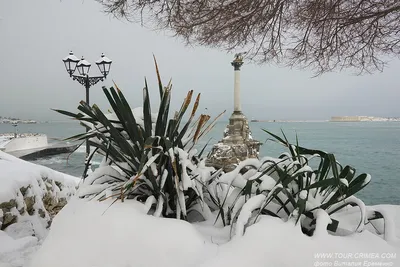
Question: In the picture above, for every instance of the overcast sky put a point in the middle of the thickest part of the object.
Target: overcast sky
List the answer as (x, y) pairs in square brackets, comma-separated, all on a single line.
[(36, 35)]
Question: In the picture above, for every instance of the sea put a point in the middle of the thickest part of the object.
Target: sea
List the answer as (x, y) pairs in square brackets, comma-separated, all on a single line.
[(370, 147)]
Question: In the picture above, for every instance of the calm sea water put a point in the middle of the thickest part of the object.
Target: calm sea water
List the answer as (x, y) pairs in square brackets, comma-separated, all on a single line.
[(371, 147)]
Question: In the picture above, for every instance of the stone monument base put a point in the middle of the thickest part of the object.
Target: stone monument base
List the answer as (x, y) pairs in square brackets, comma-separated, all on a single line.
[(236, 146)]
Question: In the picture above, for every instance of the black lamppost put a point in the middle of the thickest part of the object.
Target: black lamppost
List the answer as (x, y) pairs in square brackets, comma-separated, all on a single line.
[(72, 63)]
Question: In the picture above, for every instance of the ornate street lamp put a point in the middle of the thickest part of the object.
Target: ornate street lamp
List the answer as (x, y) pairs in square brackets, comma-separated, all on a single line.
[(104, 64), (83, 67), (72, 63)]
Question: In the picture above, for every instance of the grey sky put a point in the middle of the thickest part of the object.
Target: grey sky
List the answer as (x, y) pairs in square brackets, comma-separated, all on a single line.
[(36, 35)]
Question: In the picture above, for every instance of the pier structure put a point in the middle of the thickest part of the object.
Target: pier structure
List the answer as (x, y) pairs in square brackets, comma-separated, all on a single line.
[(237, 143)]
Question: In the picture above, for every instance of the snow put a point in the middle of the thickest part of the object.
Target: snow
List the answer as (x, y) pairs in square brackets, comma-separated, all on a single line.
[(119, 235), (4, 140), (387, 228), (16, 173), (91, 190), (122, 235), (14, 252), (184, 160), (267, 183), (71, 57), (322, 220), (234, 178), (345, 182), (149, 202), (302, 169), (83, 62), (389, 225), (101, 171), (303, 194), (19, 240), (362, 207), (367, 180), (274, 243), (104, 59), (252, 204), (159, 207)]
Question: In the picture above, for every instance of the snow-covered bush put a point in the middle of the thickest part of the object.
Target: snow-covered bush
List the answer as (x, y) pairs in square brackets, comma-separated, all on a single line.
[(289, 188), (150, 157)]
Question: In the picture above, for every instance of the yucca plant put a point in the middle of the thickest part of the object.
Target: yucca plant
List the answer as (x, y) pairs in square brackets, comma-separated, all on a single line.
[(290, 189), (147, 156)]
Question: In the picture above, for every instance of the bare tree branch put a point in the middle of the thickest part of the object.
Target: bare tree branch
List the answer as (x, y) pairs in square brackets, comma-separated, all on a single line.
[(320, 34)]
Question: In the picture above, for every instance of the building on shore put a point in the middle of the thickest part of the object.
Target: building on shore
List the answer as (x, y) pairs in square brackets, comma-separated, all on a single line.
[(237, 143), (360, 118), (346, 118)]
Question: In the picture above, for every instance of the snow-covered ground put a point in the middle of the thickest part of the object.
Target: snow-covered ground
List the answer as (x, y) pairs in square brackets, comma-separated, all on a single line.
[(102, 234), (88, 233), (24, 187), (16, 173)]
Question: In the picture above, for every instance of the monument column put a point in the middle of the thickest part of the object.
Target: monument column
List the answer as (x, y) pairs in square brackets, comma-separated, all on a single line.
[(237, 63), (237, 143)]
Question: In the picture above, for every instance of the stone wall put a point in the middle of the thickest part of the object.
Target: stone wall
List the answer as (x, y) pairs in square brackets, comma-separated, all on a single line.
[(37, 201)]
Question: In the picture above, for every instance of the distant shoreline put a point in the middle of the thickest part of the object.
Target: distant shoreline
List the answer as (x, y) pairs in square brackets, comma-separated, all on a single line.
[(361, 118), (15, 121), (289, 120), (369, 119)]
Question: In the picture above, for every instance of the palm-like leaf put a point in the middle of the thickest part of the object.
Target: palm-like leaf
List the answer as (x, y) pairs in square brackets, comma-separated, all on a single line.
[(148, 154), (301, 190)]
